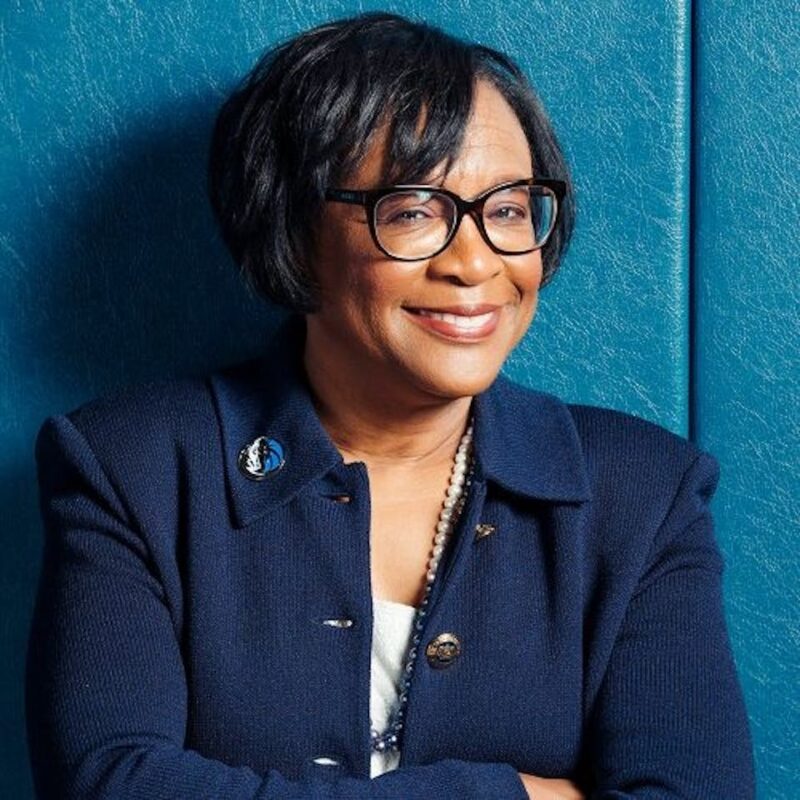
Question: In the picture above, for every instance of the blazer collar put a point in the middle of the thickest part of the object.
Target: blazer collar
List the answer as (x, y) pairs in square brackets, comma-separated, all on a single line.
[(525, 440)]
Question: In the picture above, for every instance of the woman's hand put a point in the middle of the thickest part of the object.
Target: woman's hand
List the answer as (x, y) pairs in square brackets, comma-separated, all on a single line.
[(550, 788)]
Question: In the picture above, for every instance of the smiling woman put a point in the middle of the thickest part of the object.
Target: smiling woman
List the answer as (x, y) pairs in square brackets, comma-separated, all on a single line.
[(406, 327), (365, 564)]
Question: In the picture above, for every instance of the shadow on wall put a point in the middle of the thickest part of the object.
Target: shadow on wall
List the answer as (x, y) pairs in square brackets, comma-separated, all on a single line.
[(129, 282)]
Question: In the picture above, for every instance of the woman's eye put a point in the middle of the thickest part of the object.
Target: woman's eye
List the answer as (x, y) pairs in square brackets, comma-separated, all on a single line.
[(510, 213), (406, 216), (413, 213)]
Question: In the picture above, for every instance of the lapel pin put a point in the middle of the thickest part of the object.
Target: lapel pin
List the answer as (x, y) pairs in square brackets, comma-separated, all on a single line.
[(261, 458), (484, 529)]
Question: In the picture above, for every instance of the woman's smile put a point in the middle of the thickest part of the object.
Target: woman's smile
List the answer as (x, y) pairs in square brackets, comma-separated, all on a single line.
[(460, 323)]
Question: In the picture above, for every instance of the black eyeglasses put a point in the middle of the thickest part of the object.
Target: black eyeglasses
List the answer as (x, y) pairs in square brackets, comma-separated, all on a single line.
[(410, 222)]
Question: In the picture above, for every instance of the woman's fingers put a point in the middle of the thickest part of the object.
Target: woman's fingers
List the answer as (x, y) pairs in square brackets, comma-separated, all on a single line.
[(550, 788)]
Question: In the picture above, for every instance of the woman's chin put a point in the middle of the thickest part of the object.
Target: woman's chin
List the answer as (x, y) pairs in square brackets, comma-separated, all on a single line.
[(452, 366), (456, 380)]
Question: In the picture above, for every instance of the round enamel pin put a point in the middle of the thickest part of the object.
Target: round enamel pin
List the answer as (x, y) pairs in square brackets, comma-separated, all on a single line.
[(261, 458)]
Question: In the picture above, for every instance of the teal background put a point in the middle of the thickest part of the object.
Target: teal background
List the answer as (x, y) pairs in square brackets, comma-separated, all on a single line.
[(677, 302)]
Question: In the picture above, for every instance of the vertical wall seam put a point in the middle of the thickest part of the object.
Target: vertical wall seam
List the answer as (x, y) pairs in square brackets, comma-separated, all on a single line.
[(682, 122), (692, 184)]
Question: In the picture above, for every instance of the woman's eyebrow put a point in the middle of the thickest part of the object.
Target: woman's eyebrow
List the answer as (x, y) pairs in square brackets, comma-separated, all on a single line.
[(498, 181)]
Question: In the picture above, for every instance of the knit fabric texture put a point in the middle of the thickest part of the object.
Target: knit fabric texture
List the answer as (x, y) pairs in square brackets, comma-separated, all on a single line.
[(181, 645)]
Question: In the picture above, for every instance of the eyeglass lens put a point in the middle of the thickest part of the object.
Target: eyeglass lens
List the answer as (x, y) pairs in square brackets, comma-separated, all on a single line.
[(417, 223)]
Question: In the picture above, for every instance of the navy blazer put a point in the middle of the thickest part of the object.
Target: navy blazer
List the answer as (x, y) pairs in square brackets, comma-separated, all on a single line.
[(180, 649)]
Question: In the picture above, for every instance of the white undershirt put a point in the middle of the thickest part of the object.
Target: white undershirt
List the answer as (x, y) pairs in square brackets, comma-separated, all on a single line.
[(391, 631)]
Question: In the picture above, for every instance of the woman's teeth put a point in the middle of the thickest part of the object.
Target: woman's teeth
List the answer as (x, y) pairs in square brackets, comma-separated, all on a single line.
[(456, 319)]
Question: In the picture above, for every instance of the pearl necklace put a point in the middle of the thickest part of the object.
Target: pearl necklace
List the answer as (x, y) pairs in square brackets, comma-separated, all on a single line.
[(448, 517)]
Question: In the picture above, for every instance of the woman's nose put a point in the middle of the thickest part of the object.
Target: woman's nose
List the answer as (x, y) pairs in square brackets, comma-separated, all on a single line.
[(468, 259)]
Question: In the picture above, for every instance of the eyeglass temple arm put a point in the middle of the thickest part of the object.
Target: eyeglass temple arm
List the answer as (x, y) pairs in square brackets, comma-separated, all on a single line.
[(345, 196)]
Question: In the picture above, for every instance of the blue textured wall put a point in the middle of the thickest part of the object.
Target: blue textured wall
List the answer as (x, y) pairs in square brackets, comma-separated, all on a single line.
[(746, 401), (677, 302)]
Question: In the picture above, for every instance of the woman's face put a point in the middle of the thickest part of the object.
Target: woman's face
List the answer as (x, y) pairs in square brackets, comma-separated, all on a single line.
[(369, 322)]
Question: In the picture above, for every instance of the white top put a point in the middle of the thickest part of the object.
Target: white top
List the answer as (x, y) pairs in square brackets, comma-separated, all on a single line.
[(391, 632)]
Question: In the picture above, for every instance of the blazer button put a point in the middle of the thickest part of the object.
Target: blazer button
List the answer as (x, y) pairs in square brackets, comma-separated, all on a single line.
[(443, 650), (326, 761), (338, 622)]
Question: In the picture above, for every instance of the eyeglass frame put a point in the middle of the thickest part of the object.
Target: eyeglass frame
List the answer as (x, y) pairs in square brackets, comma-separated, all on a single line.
[(369, 199)]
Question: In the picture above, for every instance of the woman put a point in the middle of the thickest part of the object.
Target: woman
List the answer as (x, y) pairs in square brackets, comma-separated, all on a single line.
[(364, 564)]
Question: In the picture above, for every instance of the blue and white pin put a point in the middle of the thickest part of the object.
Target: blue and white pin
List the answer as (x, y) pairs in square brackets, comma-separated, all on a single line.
[(261, 458)]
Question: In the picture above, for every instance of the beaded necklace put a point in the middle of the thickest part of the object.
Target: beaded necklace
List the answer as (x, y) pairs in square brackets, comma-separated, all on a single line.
[(460, 479)]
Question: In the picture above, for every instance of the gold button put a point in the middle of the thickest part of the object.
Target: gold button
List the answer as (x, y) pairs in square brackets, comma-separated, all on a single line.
[(443, 650), (341, 498), (484, 529)]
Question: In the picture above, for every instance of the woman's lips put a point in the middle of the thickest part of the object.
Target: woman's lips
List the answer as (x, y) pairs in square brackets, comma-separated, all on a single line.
[(460, 323)]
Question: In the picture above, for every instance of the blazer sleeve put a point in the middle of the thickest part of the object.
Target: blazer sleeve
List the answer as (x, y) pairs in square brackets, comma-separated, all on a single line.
[(669, 720), (106, 692)]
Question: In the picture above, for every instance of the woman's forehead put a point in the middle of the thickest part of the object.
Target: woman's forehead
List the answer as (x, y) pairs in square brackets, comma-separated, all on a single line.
[(493, 148)]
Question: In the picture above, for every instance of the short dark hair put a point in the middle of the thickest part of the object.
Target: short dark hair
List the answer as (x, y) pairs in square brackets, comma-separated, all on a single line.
[(303, 118)]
